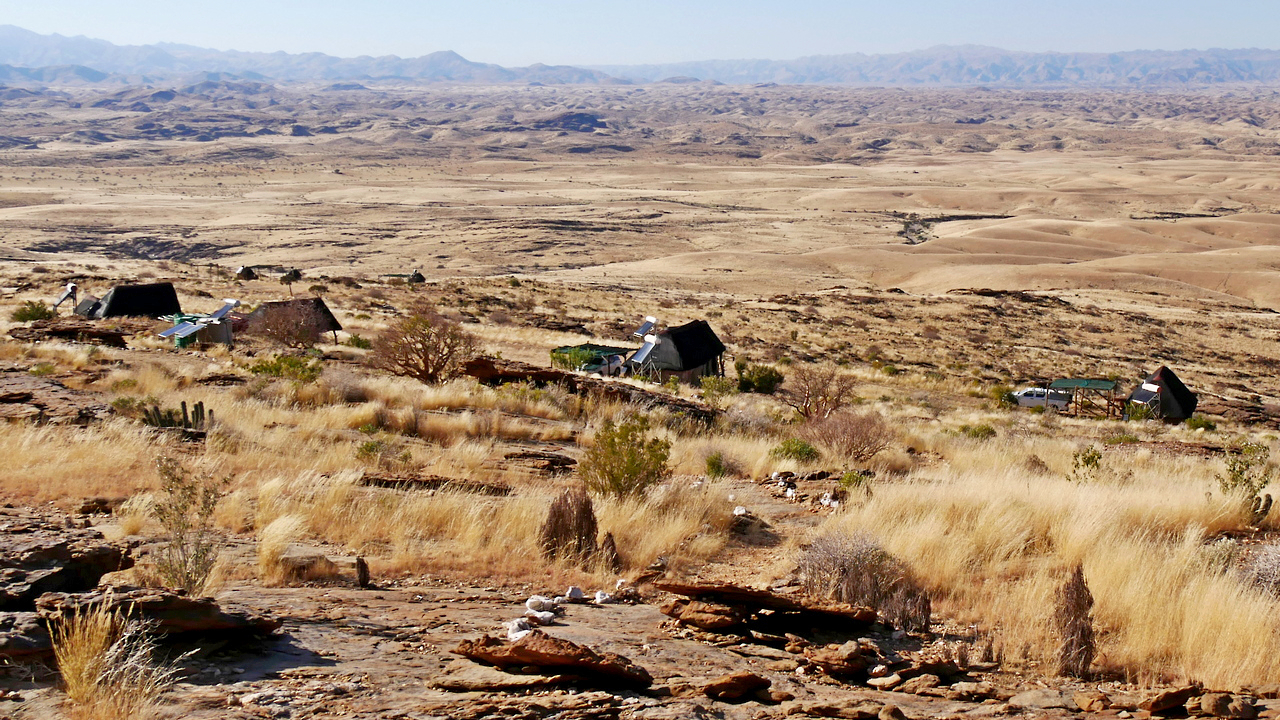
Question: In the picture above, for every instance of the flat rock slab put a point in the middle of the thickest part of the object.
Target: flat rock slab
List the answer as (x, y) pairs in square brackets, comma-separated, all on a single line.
[(540, 650), (755, 599), (1044, 699), (24, 396), (74, 329), (470, 677), (173, 614)]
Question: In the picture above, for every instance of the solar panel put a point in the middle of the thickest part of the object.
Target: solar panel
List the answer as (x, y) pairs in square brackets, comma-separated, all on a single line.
[(222, 311), (188, 331), (180, 329), (644, 329), (650, 342)]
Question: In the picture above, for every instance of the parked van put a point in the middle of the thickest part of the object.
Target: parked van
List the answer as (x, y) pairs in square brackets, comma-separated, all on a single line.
[(1040, 397)]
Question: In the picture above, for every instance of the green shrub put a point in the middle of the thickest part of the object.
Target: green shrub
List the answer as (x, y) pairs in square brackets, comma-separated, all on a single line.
[(43, 369), (1085, 464), (358, 342), (1140, 412), (32, 310), (185, 511), (1198, 423), (1003, 396), (1249, 470), (978, 432), (289, 367), (1121, 439), (624, 461), (762, 379), (716, 389), (796, 449), (719, 466), (572, 359)]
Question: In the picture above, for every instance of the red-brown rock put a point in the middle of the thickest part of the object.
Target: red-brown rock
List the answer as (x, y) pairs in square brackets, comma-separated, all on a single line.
[(547, 653)]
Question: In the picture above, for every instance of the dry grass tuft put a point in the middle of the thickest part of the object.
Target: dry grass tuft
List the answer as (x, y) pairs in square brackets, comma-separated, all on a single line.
[(856, 570), (569, 533), (273, 543), (106, 666)]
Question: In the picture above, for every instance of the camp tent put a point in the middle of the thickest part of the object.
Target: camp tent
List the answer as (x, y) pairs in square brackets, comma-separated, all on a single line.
[(154, 300), (689, 352), (1165, 395), (303, 319)]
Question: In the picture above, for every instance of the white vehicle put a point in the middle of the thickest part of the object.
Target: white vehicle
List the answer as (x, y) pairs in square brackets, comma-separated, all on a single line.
[(1040, 397)]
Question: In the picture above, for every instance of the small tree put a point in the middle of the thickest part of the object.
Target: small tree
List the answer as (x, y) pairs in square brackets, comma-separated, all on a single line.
[(185, 511), (763, 379), (624, 461), (817, 391), (290, 278), (423, 345)]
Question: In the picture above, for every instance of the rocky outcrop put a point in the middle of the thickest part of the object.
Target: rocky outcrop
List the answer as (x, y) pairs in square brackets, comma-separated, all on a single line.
[(170, 612), (75, 329), (552, 655), (737, 686), (39, 555), (716, 606)]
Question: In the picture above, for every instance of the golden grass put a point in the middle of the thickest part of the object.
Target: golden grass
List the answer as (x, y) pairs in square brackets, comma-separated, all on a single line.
[(993, 541), (273, 543), (106, 666), (451, 530)]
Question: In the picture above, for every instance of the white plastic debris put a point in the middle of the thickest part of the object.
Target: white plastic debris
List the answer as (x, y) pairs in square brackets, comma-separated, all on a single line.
[(575, 593), (739, 511), (622, 582), (540, 618), (791, 493), (560, 600), (603, 598), (517, 628), (538, 603), (696, 484)]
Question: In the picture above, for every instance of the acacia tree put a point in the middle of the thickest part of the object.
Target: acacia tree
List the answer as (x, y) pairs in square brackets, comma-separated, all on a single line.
[(423, 345), (817, 391)]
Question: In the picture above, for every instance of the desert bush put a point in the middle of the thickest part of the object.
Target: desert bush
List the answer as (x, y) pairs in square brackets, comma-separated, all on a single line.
[(1248, 471), (569, 532), (423, 345), (358, 342), (1086, 463), (753, 378), (572, 359), (1201, 423), (1003, 396), (816, 391), (623, 461), (855, 482), (978, 432), (855, 569), (846, 434), (185, 510), (720, 465), (796, 449), (289, 367), (33, 310), (107, 667), (716, 389), (1073, 619)]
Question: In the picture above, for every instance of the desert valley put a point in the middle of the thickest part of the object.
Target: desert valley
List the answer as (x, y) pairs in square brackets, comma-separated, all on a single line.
[(858, 520)]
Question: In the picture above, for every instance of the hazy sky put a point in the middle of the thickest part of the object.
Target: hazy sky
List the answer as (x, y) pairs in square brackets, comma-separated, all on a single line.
[(520, 32)]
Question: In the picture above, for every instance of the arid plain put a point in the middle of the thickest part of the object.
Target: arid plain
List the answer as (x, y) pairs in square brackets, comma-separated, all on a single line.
[(936, 246)]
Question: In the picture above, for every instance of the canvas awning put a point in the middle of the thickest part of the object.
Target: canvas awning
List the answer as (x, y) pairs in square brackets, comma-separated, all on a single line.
[(1085, 384)]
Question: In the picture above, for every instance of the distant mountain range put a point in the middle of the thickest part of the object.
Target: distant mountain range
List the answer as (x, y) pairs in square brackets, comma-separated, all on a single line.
[(977, 65), (27, 57), (23, 48)]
